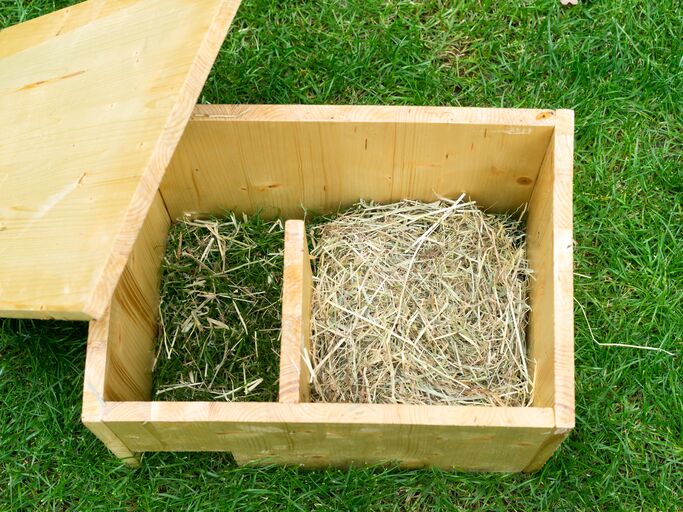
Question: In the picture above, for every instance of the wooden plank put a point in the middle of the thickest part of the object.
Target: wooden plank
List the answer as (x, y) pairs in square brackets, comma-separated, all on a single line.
[(134, 312), (313, 435), (93, 100), (549, 242), (564, 271), (121, 344), (539, 238), (296, 316), (39, 30), (278, 157)]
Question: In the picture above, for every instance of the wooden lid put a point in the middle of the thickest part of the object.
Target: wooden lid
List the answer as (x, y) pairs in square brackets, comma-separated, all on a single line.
[(93, 100)]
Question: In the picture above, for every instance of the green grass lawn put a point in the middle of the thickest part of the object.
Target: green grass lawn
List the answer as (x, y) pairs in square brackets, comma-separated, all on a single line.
[(620, 66)]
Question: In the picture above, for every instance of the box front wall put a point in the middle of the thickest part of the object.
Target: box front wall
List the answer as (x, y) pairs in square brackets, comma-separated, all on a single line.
[(473, 438), (280, 159)]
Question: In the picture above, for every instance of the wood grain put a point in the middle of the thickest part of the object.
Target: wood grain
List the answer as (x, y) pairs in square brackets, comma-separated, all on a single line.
[(314, 435), (93, 100), (134, 313), (547, 449), (275, 158), (296, 315), (563, 262), (93, 392), (550, 246)]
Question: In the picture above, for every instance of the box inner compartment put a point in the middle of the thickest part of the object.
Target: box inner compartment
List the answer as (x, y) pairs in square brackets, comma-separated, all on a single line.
[(261, 158), (220, 310)]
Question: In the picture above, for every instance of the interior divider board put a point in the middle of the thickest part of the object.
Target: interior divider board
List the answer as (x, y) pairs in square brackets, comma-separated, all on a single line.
[(278, 157), (296, 315), (318, 434)]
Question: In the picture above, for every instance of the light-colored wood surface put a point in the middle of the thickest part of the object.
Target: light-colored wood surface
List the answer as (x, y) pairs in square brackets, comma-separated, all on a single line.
[(550, 248), (563, 261), (540, 331), (296, 315), (134, 313), (278, 157), (121, 344), (468, 438), (93, 100)]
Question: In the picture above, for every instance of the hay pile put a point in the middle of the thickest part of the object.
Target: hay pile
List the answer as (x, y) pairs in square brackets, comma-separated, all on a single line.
[(421, 304), (220, 310)]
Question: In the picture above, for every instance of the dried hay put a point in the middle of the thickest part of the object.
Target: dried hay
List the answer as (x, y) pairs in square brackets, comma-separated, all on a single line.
[(421, 304)]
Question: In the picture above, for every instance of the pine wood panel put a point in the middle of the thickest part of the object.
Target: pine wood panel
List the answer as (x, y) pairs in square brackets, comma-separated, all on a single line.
[(93, 393), (563, 259), (547, 449), (296, 315), (93, 100), (277, 157), (314, 435), (539, 253), (134, 312), (550, 247)]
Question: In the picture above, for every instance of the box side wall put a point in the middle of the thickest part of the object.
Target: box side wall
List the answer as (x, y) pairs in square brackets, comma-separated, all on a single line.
[(339, 434), (564, 265), (278, 159), (549, 242), (93, 391), (540, 332), (134, 313), (121, 343)]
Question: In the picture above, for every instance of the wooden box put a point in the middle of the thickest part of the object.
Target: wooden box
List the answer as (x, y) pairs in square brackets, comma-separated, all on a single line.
[(279, 158)]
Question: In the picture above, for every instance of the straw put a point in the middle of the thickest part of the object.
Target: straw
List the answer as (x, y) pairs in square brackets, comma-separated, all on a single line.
[(420, 303)]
